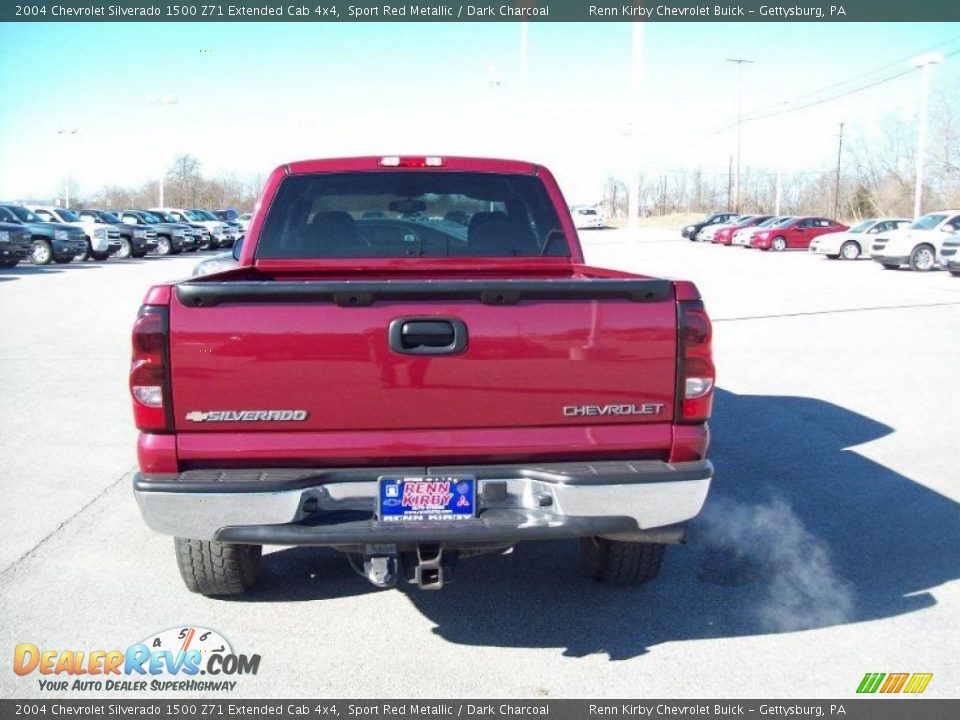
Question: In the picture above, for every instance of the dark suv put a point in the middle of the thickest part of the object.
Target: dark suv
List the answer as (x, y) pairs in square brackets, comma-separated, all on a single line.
[(202, 240), (172, 238), (134, 241), (15, 244), (51, 242)]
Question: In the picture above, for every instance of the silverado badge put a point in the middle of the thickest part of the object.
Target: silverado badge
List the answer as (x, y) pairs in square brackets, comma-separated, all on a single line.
[(247, 415)]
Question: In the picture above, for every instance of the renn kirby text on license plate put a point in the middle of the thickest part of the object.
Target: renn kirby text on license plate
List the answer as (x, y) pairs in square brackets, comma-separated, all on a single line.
[(427, 498)]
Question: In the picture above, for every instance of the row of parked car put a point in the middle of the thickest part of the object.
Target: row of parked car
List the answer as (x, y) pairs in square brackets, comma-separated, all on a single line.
[(46, 234), (930, 241)]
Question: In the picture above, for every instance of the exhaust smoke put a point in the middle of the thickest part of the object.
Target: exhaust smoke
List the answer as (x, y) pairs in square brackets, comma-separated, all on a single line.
[(768, 543)]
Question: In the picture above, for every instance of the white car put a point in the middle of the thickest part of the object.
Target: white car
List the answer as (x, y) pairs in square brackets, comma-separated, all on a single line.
[(707, 234), (244, 221), (216, 229), (919, 244), (102, 240), (587, 217), (855, 242), (742, 237)]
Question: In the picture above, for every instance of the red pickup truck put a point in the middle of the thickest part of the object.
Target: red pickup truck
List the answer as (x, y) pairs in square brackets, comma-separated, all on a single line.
[(412, 363)]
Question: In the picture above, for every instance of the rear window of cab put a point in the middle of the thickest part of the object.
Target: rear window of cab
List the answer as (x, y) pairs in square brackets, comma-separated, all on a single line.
[(411, 214)]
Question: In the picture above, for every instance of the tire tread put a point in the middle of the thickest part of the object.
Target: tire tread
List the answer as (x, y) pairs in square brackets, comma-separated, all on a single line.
[(614, 562), (214, 568)]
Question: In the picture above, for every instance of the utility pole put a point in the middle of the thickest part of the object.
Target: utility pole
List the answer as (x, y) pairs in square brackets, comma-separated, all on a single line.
[(729, 182), (923, 62), (836, 192), (633, 137), (739, 62), (64, 135)]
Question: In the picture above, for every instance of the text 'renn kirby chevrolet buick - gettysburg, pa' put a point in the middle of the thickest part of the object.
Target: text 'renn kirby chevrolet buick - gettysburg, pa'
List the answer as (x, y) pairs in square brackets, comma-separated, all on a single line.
[(413, 364)]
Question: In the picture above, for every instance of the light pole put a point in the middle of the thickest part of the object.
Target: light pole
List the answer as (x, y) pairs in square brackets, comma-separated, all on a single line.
[(923, 62), (739, 62), (164, 101), (633, 155), (523, 60), (836, 191), (64, 134), (778, 188)]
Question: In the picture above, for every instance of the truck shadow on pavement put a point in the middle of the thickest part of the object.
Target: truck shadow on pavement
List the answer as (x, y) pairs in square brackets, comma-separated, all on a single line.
[(799, 532)]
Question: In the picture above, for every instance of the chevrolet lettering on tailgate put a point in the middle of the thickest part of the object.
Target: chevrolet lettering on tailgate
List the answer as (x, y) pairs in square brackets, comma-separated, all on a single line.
[(631, 409)]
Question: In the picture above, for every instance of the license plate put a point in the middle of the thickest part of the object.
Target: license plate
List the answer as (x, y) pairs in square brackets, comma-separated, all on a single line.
[(427, 498)]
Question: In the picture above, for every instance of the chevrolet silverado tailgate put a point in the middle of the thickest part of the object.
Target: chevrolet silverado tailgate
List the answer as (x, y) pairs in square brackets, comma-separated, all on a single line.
[(269, 356)]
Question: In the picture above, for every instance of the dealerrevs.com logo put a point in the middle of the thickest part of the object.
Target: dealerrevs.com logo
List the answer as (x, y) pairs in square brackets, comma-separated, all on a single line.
[(177, 659)]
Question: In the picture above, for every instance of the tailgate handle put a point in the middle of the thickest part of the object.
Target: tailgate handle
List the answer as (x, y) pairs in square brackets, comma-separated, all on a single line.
[(428, 336)]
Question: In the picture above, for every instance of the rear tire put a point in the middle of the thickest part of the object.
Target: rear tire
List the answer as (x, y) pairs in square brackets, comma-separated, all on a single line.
[(614, 562), (850, 250), (214, 568)]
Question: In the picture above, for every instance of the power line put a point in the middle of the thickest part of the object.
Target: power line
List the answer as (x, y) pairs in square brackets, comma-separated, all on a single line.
[(814, 103), (895, 63), (843, 94)]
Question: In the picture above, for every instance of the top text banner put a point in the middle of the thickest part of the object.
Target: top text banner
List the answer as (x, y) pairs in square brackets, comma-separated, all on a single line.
[(517, 10)]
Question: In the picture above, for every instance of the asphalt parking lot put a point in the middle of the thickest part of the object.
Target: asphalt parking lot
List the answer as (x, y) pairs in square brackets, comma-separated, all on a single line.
[(830, 545)]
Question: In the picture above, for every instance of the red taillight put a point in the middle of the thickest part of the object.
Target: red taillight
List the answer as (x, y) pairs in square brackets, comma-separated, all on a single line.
[(411, 162), (695, 371), (150, 371)]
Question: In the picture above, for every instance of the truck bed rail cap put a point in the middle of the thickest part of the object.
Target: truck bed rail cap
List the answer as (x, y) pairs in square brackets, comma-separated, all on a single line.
[(351, 293)]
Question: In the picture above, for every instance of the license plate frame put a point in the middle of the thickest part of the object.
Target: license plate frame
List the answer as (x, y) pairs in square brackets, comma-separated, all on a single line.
[(399, 495)]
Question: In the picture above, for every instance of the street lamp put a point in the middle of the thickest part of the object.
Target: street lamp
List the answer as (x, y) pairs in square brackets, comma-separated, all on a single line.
[(523, 60), (923, 62), (739, 62), (64, 133), (165, 100), (636, 111)]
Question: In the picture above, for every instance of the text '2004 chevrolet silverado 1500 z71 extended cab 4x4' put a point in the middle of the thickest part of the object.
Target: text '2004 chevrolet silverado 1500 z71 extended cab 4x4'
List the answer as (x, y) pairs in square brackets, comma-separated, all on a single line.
[(410, 390)]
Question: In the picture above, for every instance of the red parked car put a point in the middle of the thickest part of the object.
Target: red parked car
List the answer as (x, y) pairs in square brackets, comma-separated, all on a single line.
[(795, 233), (724, 236)]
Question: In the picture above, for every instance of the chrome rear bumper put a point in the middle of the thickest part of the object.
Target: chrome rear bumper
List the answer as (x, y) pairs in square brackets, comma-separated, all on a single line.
[(629, 500)]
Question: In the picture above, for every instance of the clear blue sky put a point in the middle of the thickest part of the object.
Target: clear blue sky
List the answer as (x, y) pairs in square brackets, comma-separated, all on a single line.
[(253, 95)]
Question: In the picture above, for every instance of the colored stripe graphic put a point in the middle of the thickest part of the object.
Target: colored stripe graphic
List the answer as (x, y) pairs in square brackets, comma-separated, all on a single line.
[(870, 682), (894, 682), (918, 682)]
